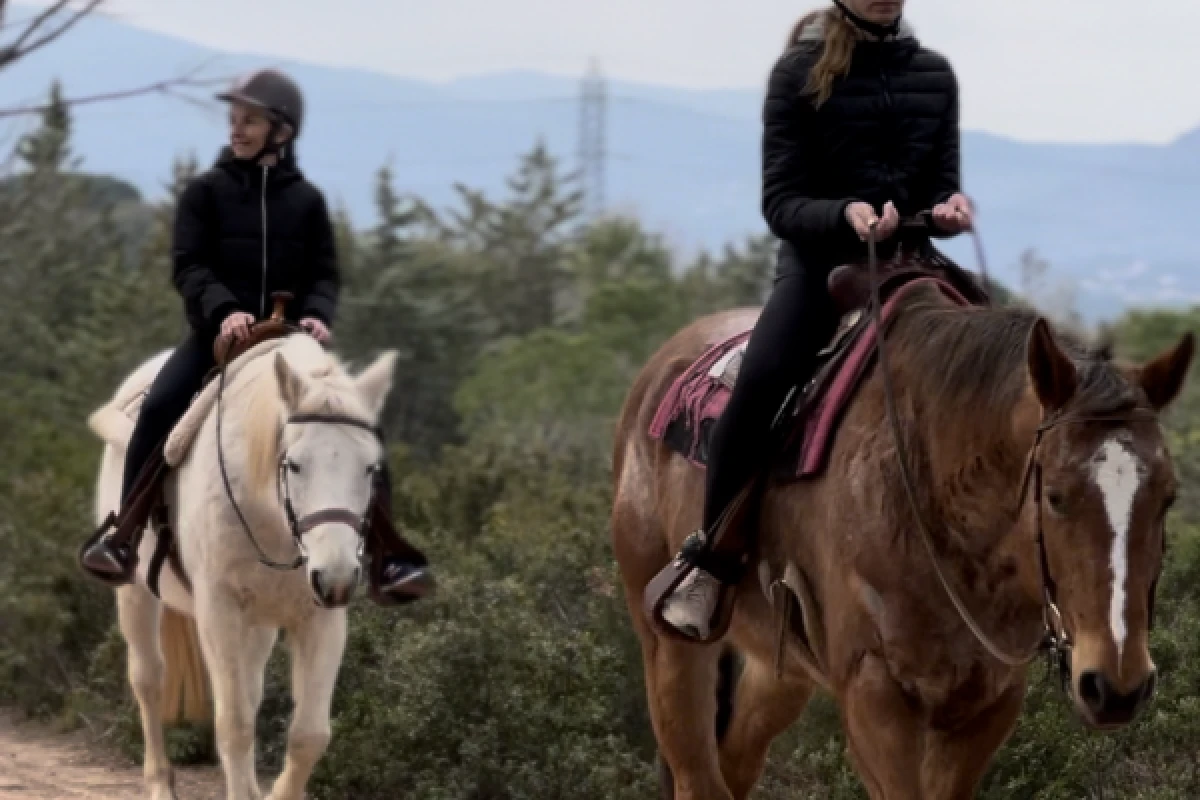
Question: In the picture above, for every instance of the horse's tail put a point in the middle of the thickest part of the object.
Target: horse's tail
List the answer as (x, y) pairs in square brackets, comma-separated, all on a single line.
[(186, 692)]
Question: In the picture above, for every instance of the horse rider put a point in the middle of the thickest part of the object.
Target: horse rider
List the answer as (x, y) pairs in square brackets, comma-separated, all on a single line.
[(860, 128), (247, 228)]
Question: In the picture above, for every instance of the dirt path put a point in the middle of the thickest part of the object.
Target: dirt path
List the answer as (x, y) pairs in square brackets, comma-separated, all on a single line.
[(36, 764)]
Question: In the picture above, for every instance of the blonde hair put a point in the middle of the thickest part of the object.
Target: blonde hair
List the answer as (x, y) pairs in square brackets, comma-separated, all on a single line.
[(837, 49)]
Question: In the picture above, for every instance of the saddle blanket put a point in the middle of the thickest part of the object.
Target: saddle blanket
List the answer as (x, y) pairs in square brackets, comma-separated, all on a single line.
[(696, 399), (114, 421)]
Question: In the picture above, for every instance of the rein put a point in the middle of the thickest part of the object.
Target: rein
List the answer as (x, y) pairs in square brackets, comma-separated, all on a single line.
[(1055, 638), (297, 526)]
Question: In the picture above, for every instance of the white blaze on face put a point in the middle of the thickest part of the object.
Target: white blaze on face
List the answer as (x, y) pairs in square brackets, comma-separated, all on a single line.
[(1118, 474)]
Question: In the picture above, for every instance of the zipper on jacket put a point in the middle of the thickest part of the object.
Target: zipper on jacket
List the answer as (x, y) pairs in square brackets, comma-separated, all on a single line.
[(262, 297), (890, 132)]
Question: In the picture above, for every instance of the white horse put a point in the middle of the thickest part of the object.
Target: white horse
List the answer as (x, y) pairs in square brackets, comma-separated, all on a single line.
[(296, 428)]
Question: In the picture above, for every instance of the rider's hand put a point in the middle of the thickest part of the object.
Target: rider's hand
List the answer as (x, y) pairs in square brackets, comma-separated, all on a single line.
[(316, 328), (861, 216), (954, 215), (237, 325)]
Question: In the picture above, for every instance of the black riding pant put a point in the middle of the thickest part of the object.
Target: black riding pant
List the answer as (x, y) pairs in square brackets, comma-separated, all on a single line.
[(169, 397), (798, 320)]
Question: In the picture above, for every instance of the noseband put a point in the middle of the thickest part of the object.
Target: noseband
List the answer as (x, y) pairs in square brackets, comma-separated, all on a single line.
[(1055, 639), (299, 526)]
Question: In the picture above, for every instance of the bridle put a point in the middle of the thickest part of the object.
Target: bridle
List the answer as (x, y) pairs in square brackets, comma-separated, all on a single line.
[(1055, 639), (299, 526)]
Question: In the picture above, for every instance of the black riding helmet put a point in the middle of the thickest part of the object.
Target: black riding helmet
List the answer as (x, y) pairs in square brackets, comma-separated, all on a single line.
[(275, 93)]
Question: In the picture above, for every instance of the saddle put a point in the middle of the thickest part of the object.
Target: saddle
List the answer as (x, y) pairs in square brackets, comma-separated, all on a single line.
[(806, 425), (227, 349)]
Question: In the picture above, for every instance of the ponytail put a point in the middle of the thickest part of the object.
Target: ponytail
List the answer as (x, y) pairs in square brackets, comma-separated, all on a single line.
[(838, 39)]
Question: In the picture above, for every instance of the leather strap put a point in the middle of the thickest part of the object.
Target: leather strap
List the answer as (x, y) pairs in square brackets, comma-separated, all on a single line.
[(326, 516), (335, 419), (161, 548)]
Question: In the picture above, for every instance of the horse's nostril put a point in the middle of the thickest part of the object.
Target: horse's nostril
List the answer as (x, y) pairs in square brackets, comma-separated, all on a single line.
[(1093, 690)]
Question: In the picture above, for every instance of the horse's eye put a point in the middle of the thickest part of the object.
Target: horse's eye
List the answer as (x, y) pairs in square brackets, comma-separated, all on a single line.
[(1057, 501), (293, 467)]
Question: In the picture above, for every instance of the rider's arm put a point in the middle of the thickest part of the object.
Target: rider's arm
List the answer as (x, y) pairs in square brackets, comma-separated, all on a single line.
[(792, 209), (193, 274), (947, 163), (321, 300)]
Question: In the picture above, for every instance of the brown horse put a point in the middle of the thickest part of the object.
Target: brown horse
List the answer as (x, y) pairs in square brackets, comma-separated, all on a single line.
[(990, 401)]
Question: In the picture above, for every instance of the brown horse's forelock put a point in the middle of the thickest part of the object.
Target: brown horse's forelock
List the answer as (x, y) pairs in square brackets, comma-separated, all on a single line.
[(977, 359)]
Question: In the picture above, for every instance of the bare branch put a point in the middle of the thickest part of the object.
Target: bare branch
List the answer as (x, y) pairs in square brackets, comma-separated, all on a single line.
[(44, 29), (170, 87)]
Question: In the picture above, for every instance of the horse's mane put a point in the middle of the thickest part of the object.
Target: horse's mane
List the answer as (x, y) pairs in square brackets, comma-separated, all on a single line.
[(331, 391), (976, 359)]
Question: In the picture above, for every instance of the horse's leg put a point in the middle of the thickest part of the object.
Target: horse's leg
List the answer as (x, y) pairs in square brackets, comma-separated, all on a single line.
[(236, 654), (956, 760), (138, 613), (317, 650), (763, 708), (681, 686), (886, 738), (681, 679)]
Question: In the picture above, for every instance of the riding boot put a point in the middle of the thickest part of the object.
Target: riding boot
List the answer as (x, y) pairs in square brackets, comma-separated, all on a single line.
[(110, 553), (691, 598), (399, 573)]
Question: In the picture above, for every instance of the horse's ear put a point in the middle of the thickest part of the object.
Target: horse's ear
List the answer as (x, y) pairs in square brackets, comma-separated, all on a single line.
[(375, 381), (1162, 378), (292, 385), (1050, 369)]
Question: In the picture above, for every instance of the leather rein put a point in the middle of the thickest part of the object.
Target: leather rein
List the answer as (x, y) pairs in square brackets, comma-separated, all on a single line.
[(1055, 638), (298, 526)]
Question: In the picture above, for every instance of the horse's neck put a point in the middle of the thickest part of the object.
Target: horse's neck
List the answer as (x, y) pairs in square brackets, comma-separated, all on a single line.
[(970, 459), (262, 507), (973, 454)]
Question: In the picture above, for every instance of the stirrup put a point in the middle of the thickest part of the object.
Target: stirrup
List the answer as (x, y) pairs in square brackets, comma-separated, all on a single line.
[(695, 553), (113, 580)]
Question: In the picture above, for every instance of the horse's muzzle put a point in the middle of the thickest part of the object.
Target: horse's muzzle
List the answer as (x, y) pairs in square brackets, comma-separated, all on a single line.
[(1107, 708), (335, 596)]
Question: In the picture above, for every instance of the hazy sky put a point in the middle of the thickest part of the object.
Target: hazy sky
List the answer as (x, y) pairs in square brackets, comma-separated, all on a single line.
[(1079, 70)]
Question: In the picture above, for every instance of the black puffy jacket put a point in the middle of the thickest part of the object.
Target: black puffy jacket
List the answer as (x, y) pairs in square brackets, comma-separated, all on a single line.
[(889, 131), (221, 263)]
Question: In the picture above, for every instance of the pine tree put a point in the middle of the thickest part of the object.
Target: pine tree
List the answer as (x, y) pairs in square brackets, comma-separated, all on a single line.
[(48, 149), (522, 247)]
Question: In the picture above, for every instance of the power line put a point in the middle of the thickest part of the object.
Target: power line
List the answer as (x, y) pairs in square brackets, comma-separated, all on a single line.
[(593, 134)]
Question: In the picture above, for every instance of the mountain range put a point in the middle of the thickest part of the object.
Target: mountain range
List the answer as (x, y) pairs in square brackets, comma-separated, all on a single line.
[(1116, 222)]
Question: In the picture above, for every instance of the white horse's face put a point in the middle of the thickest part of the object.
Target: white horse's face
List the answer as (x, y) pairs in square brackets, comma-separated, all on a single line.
[(331, 467), (326, 466)]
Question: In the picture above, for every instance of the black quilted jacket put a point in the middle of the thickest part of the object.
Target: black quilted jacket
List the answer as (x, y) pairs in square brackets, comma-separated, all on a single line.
[(888, 132), (243, 231)]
